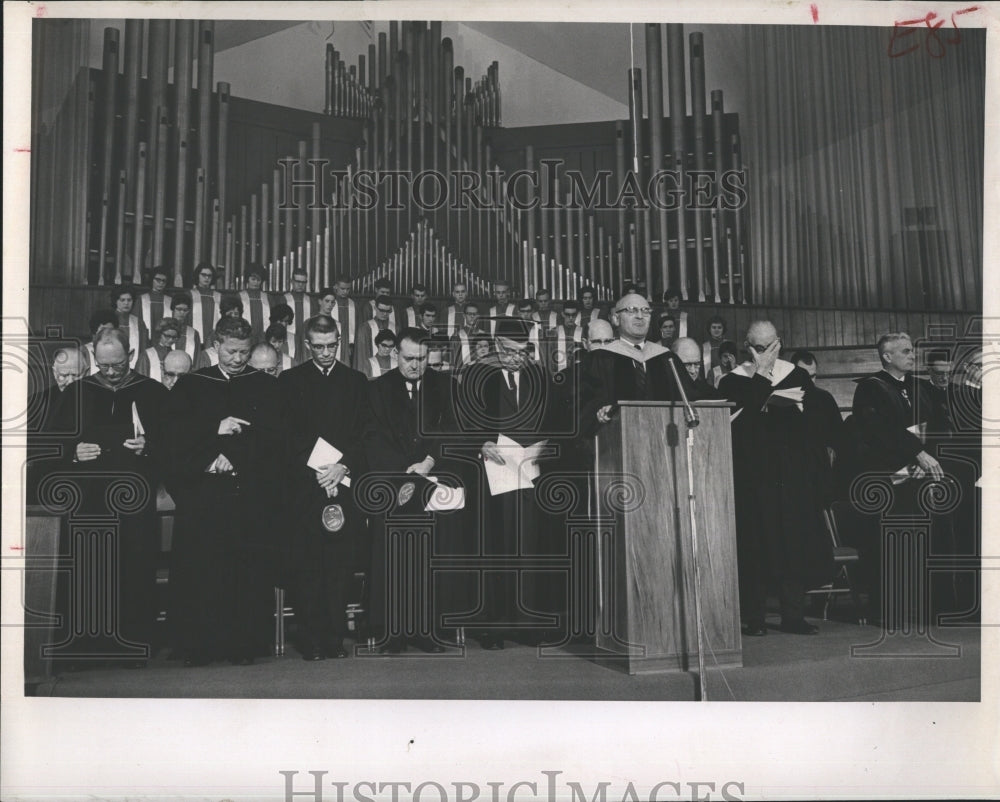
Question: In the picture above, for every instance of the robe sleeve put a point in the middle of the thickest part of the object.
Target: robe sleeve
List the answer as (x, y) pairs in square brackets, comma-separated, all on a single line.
[(879, 430)]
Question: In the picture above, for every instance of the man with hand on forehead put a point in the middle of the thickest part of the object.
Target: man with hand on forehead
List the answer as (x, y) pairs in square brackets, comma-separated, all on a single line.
[(781, 543), (225, 440)]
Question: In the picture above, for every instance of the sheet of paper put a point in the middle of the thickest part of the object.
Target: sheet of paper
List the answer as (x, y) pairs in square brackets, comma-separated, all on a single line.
[(519, 470), (136, 422), (445, 498), (324, 453)]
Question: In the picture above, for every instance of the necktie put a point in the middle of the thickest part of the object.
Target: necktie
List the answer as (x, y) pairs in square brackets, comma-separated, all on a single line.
[(511, 385), (412, 388), (640, 373)]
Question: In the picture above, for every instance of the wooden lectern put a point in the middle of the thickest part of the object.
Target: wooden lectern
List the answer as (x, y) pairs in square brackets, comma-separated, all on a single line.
[(646, 574)]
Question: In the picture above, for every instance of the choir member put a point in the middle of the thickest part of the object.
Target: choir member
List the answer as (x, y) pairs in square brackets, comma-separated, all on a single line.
[(728, 358), (324, 399), (590, 311), (283, 315), (385, 358), (256, 304), (667, 329), (153, 304), (710, 348), (276, 336), (302, 304), (455, 313), (205, 302), (526, 311), (689, 353), (780, 536), (502, 305), (672, 301), (411, 314), (382, 286), (427, 319), (564, 339), (189, 340), (462, 339), (166, 336), (225, 441), (544, 314), (122, 301), (366, 335), (410, 414), (344, 311)]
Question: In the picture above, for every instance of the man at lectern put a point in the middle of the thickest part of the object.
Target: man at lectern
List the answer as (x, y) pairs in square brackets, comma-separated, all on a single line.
[(629, 369), (780, 536)]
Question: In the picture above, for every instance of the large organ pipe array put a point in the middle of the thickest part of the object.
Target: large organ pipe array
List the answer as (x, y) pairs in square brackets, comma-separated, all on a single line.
[(161, 188)]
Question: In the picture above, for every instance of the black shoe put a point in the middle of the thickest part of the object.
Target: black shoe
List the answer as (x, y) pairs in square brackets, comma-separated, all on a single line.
[(800, 627), (754, 629), (427, 645), (310, 654), (335, 650), (491, 642)]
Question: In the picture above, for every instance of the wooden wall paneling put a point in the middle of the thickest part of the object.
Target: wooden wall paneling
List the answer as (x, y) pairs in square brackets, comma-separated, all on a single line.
[(850, 323)]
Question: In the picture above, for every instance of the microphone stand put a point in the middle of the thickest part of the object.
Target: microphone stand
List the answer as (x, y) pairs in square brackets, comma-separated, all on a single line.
[(691, 418)]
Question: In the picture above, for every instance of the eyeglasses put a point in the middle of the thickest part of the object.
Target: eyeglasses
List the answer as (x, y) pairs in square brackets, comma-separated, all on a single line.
[(112, 367), (326, 347), (636, 311)]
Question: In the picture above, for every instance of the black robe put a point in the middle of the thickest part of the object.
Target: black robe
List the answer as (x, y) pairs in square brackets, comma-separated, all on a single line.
[(780, 533), (123, 484), (322, 563), (225, 544), (513, 525), (403, 432)]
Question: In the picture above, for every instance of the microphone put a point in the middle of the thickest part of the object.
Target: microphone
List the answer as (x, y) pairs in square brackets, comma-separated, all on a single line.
[(690, 416)]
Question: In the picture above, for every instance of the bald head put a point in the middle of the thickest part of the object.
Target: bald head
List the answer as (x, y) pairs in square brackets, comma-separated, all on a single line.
[(689, 352), (69, 365), (762, 332), (264, 357), (175, 364), (599, 335)]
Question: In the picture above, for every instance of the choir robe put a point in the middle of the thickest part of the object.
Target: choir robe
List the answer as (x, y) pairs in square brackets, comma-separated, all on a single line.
[(304, 307), (585, 318), (345, 312), (257, 310), (137, 334), (510, 310), (364, 347), (106, 418), (335, 408), (190, 343), (512, 524), (153, 308), (781, 539), (561, 343), (454, 319), (379, 366), (226, 544), (205, 312), (461, 347), (152, 365)]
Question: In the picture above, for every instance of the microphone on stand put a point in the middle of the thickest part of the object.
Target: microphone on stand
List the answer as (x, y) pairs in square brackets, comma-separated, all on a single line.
[(690, 416)]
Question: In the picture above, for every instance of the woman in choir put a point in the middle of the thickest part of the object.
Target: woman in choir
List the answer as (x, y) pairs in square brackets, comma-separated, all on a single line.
[(189, 341), (122, 301)]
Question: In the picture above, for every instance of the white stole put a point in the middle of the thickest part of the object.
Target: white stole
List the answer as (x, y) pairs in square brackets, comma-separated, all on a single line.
[(377, 368), (155, 367), (411, 317), (93, 358), (553, 319), (511, 309), (466, 349), (562, 354), (145, 306), (197, 317), (133, 340), (265, 307), (706, 356), (351, 320)]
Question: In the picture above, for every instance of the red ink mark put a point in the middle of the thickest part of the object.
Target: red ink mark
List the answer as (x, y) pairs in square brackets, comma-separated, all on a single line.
[(815, 12), (41, 11), (22, 150), (17, 548), (934, 43)]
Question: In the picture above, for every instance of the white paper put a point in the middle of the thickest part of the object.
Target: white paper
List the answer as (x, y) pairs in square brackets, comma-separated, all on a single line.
[(324, 454), (445, 498), (136, 423), (520, 467)]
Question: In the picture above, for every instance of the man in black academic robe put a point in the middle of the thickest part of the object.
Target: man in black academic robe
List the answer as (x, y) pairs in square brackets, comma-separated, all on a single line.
[(825, 424), (226, 438), (781, 542), (114, 459), (324, 398), (410, 417), (510, 394)]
